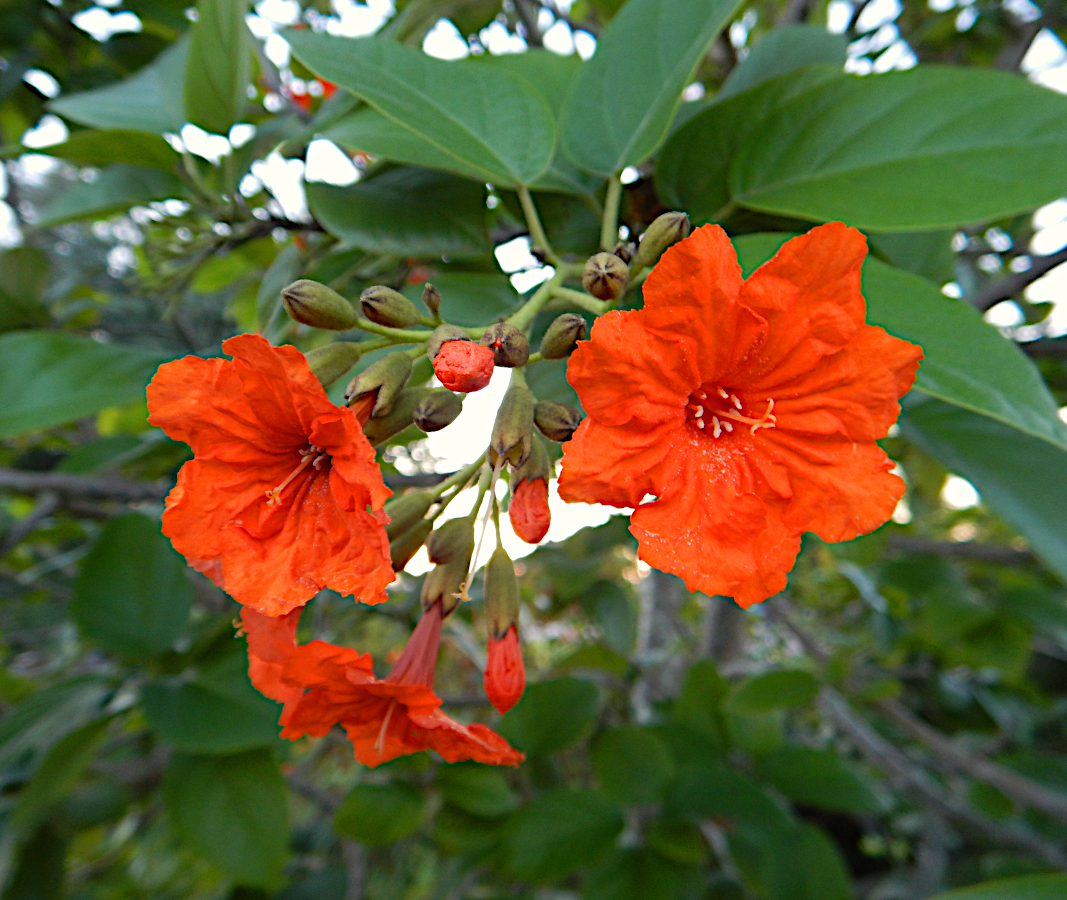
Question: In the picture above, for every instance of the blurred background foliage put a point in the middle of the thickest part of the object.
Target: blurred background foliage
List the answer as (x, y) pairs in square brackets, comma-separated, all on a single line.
[(892, 728)]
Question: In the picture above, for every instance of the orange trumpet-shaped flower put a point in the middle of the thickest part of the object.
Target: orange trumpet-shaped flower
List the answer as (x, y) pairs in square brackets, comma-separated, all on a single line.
[(736, 415), (284, 497), (505, 672), (388, 717)]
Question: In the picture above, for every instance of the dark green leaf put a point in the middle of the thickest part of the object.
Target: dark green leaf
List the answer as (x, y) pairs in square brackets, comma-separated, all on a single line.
[(133, 596), (407, 212), (551, 715), (1028, 887), (927, 254), (785, 49), (380, 813), (479, 790), (472, 298), (270, 313), (46, 716), (39, 871), (624, 98), (104, 148), (774, 690), (819, 778), (802, 863), (699, 704), (23, 277), (218, 71), (484, 119), (632, 764), (714, 790), (48, 378), (634, 875), (116, 188), (231, 810)]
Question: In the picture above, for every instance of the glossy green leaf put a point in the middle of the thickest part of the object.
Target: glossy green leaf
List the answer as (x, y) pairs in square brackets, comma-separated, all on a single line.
[(967, 362), (149, 101), (47, 715), (231, 810), (103, 148), (1019, 477), (774, 690), (928, 254), (407, 212), (624, 98), (47, 378), (819, 778), (485, 119), (551, 715), (133, 596), (286, 268), (479, 790), (560, 832), (633, 765), (219, 67), (380, 813), (23, 276), (472, 298), (785, 49), (1027, 887), (114, 189)]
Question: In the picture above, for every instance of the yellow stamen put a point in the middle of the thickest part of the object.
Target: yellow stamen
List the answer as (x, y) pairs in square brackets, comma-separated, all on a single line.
[(379, 745)]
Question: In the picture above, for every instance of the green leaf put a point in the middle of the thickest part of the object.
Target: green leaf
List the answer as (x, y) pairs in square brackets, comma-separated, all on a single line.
[(217, 711), (219, 67), (472, 298), (104, 148), (819, 778), (714, 790), (114, 189), (560, 832), (479, 790), (149, 101), (407, 212), (632, 764), (636, 874), (231, 810), (270, 313), (624, 98), (483, 119), (47, 378), (802, 863), (1028, 887), (967, 362), (380, 813), (699, 703), (46, 716), (39, 872), (774, 690), (927, 254), (23, 278), (551, 715), (785, 49), (1017, 476), (132, 596)]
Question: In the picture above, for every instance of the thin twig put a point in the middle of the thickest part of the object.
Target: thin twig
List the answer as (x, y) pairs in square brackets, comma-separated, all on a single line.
[(66, 483), (961, 550), (47, 503), (1011, 285)]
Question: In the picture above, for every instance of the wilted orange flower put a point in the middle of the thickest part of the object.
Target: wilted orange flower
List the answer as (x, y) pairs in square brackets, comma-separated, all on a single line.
[(529, 512), (505, 671), (463, 366), (736, 415), (284, 497), (389, 717)]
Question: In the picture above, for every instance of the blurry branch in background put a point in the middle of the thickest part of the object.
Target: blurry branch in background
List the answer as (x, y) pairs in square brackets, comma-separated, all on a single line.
[(1010, 285), (47, 503), (527, 11), (795, 11), (993, 553), (1011, 55)]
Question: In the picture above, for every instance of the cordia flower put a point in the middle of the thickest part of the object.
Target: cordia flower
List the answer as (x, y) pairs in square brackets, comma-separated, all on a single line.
[(735, 415), (284, 497), (505, 672), (463, 366), (529, 512)]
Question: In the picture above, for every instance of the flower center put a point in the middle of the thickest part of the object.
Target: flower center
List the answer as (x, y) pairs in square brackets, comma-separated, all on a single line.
[(312, 456), (716, 411)]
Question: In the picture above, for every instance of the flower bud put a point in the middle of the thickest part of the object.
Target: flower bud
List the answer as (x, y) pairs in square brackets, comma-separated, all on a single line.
[(440, 335), (380, 383), (314, 304), (330, 362), (505, 672), (406, 545), (667, 229), (556, 421), (463, 366), (438, 410), (513, 429), (401, 415), (529, 512), (625, 250), (605, 276), (407, 511), (501, 594), (563, 335), (388, 307), (450, 547), (509, 345), (431, 299)]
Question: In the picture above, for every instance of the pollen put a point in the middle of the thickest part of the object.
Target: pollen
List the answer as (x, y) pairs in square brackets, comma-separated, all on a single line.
[(715, 411)]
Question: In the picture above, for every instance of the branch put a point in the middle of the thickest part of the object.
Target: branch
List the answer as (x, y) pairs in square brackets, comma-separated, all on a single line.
[(796, 11), (46, 504), (64, 483), (961, 550), (1010, 285), (1045, 347)]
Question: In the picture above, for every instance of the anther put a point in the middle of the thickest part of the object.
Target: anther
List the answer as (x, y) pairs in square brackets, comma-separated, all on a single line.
[(728, 426), (310, 455), (722, 393), (718, 426), (700, 424), (735, 401)]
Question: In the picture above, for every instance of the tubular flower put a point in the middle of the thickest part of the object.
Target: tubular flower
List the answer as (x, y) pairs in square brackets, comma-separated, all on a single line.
[(529, 512), (735, 415), (463, 366), (284, 496), (505, 672), (389, 717)]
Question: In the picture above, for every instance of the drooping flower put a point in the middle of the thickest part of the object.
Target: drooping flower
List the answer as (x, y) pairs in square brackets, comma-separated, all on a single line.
[(735, 415), (505, 671), (271, 640), (384, 717), (284, 496)]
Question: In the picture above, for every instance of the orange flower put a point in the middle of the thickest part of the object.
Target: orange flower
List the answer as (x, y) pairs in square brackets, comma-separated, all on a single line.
[(505, 672), (463, 366), (284, 497), (736, 415), (529, 512), (271, 640), (390, 717)]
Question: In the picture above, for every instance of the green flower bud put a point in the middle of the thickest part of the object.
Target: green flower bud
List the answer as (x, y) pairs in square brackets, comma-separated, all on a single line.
[(400, 416), (406, 545), (431, 298), (451, 547), (441, 334), (667, 229), (556, 421), (388, 307), (314, 304), (380, 383), (406, 511), (625, 250), (509, 345), (513, 430), (537, 465), (501, 594), (562, 336), (605, 276), (330, 362), (438, 410)]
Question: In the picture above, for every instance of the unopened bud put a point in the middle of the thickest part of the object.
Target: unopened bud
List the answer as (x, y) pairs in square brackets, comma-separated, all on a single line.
[(605, 276), (556, 421), (438, 410), (513, 429), (401, 415), (625, 250), (380, 383), (463, 366), (431, 298), (563, 335), (509, 345), (537, 464), (453, 541), (388, 307), (407, 511), (330, 362), (667, 229), (441, 334), (314, 304), (406, 545), (505, 672), (529, 512), (501, 594), (450, 547)]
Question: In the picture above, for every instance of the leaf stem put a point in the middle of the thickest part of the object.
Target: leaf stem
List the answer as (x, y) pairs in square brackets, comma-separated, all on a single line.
[(609, 225), (524, 317), (399, 335), (459, 478), (581, 299), (538, 238)]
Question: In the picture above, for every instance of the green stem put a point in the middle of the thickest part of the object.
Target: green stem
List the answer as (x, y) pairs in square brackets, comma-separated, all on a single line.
[(609, 225), (459, 478), (523, 319), (399, 335), (538, 238), (581, 299), (534, 358)]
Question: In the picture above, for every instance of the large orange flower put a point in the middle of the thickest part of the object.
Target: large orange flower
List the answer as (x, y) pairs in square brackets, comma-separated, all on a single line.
[(284, 496), (736, 415)]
